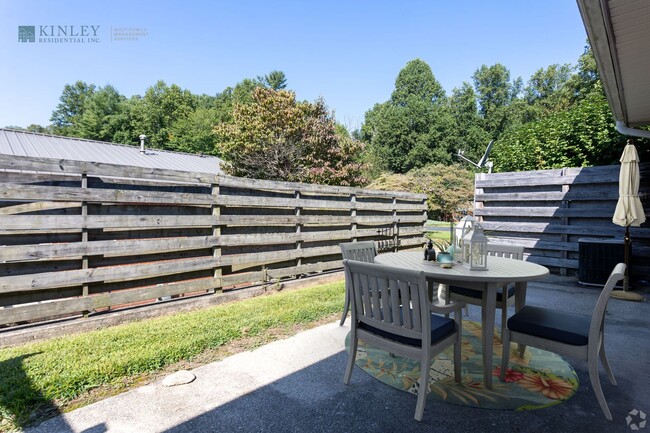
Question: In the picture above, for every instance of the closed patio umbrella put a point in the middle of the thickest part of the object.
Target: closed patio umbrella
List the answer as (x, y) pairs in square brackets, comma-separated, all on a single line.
[(629, 210)]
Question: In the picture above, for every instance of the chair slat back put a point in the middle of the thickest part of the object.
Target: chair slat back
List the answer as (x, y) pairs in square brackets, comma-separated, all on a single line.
[(360, 251), (508, 251), (391, 299), (598, 316)]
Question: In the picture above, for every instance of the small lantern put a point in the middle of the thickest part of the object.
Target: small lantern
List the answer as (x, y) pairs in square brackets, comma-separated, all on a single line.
[(475, 249), (462, 229)]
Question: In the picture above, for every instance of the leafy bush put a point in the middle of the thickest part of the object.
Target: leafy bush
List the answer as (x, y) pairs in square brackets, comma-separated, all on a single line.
[(449, 189), (584, 135)]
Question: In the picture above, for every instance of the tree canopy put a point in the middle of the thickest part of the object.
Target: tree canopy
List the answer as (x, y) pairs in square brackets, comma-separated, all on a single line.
[(278, 138), (68, 112), (414, 127)]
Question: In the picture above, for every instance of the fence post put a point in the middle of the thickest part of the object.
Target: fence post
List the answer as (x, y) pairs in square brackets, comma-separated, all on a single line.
[(395, 226), (216, 233), (298, 212), (424, 215), (84, 237), (353, 215), (565, 220)]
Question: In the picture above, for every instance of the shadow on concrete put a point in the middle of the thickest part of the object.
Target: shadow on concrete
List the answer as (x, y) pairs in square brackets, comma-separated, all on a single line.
[(17, 391), (315, 399)]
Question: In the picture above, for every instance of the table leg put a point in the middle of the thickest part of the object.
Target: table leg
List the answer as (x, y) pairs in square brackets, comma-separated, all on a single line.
[(488, 306), (520, 301), (520, 295)]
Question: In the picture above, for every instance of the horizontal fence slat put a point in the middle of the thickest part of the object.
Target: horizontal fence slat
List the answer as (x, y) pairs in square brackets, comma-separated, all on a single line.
[(49, 280), (555, 262), (62, 222), (550, 228), (92, 195), (24, 313), (246, 277), (536, 243), (110, 248), (101, 195), (244, 183), (547, 196), (547, 211), (37, 206), (305, 269), (248, 201), (12, 162)]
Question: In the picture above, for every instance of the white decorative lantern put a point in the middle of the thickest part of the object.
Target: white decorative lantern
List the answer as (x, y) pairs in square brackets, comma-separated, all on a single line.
[(475, 249), (462, 229)]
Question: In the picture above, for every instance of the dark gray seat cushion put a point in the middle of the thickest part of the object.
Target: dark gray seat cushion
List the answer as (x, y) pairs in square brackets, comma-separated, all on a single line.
[(478, 294), (553, 325), (441, 327)]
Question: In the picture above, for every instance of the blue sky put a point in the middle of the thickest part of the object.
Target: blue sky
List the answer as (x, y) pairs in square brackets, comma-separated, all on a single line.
[(348, 52)]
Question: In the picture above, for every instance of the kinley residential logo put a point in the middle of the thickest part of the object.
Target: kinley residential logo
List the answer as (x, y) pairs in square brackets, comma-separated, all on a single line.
[(53, 34)]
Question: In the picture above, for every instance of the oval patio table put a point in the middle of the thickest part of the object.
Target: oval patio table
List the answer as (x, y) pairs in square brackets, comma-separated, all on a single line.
[(500, 271)]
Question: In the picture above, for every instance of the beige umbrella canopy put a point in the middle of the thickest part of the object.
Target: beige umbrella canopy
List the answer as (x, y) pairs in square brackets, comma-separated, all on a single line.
[(629, 210)]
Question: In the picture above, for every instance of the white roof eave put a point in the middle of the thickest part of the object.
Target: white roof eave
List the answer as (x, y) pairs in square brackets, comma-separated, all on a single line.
[(598, 27)]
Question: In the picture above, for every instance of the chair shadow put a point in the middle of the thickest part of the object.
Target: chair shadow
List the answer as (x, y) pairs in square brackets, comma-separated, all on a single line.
[(18, 391)]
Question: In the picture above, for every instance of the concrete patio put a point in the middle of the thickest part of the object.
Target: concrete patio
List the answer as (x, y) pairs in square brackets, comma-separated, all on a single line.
[(295, 385)]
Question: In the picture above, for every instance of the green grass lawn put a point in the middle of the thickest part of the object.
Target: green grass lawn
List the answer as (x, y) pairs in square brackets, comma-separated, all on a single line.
[(443, 235), (39, 379)]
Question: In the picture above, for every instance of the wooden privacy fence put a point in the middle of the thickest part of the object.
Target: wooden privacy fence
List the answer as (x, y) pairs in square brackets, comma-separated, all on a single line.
[(549, 211), (78, 237)]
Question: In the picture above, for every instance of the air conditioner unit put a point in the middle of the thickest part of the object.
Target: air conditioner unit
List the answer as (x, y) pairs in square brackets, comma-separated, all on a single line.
[(597, 258)]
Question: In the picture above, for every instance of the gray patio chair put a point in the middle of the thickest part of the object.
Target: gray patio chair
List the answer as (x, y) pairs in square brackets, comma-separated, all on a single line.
[(407, 328), (475, 297), (361, 251), (566, 334)]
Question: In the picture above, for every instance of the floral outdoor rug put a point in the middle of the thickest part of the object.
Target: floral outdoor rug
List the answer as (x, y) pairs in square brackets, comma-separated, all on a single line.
[(541, 379)]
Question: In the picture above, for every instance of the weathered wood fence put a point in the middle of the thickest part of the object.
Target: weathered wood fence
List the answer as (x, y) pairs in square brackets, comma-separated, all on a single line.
[(81, 237), (548, 211)]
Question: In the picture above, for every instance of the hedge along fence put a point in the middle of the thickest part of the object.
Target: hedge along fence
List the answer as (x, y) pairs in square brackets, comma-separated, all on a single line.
[(549, 211), (79, 237)]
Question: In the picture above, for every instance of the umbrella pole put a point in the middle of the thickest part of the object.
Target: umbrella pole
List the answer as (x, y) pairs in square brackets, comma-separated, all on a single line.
[(626, 278), (625, 294)]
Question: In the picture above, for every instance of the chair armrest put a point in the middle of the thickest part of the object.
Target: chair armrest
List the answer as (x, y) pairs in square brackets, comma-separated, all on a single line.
[(447, 308)]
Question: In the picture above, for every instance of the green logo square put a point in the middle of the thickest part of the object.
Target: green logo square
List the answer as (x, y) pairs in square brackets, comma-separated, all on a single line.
[(26, 33)]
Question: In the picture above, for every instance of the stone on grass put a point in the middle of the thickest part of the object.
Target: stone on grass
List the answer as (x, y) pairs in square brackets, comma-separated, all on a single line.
[(179, 378)]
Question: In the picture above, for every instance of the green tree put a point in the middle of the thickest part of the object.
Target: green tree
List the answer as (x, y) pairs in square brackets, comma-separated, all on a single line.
[(105, 117), (583, 135), (415, 126), (496, 93), (70, 108), (416, 80), (38, 128), (471, 138), (545, 84), (275, 137), (32, 128), (585, 80), (159, 108), (195, 133), (275, 80), (545, 92)]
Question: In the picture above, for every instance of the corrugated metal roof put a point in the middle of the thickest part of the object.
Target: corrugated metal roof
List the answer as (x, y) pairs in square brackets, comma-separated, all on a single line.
[(24, 143)]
